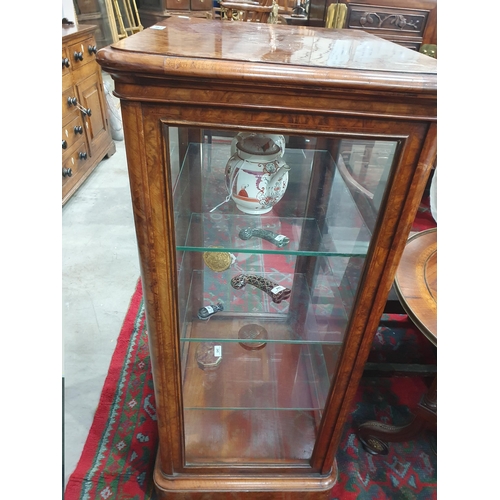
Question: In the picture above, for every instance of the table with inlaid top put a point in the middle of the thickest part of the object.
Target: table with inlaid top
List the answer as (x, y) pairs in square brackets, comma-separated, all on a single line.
[(416, 287)]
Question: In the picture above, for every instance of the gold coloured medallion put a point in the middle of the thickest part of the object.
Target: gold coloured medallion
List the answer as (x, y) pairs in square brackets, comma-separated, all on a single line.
[(218, 261)]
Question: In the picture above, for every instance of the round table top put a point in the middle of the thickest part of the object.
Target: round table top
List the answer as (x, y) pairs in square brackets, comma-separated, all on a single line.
[(416, 282)]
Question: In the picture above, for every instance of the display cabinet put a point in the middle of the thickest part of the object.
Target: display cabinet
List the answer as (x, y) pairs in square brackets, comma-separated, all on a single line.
[(266, 258)]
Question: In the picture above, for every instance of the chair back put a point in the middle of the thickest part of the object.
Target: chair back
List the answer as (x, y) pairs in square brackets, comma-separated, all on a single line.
[(248, 11)]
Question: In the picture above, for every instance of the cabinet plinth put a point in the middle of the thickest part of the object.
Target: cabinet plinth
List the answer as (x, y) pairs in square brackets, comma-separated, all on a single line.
[(257, 352)]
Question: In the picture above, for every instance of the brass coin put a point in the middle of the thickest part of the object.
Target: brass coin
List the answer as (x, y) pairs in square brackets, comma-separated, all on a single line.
[(252, 332), (217, 261)]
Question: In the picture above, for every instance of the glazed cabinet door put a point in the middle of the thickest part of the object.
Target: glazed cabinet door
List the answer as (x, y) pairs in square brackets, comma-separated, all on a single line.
[(272, 233)]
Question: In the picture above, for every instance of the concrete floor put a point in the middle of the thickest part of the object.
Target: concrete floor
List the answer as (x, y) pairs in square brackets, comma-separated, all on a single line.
[(100, 270)]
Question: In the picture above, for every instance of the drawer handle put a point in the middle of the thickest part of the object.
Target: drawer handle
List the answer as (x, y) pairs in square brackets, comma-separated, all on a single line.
[(65, 62), (78, 129), (86, 112), (64, 144), (72, 101), (67, 172), (78, 56), (92, 49), (82, 155)]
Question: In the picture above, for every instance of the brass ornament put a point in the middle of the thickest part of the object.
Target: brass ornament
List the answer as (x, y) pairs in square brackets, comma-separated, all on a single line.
[(255, 333), (218, 261)]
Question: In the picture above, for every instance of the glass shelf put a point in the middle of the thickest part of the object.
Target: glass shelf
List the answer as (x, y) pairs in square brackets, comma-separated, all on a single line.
[(257, 379), (281, 387), (341, 231), (321, 317), (220, 232)]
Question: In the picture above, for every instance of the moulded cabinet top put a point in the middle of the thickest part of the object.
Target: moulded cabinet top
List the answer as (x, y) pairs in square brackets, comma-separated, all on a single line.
[(70, 31), (194, 47)]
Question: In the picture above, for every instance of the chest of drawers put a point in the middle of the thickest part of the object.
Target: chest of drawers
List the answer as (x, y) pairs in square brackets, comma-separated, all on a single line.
[(86, 134)]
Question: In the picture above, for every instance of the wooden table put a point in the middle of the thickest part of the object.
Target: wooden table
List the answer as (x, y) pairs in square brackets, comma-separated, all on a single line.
[(416, 287)]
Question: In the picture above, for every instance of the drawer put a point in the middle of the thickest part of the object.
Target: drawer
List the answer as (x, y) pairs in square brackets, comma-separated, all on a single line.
[(74, 165), (386, 20), (69, 109), (178, 4), (67, 81), (75, 162), (66, 62), (82, 53), (201, 4), (72, 132)]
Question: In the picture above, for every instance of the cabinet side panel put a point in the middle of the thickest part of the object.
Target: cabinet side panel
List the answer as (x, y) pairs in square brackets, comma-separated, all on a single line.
[(148, 182)]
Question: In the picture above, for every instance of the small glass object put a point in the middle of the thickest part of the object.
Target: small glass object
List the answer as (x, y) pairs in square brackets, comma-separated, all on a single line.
[(208, 355), (279, 240), (206, 312)]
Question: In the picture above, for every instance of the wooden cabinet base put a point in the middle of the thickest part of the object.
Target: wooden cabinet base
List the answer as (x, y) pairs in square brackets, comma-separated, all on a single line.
[(240, 487)]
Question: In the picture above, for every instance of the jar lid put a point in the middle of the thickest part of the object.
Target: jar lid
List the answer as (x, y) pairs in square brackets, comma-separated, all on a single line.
[(258, 144)]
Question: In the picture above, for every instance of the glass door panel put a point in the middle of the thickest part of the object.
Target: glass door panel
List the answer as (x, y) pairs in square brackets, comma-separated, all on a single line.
[(265, 297)]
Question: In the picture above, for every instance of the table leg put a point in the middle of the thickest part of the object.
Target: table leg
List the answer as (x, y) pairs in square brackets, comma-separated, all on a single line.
[(374, 435)]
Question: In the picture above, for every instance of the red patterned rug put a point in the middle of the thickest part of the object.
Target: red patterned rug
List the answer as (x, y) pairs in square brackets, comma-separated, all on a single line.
[(118, 458)]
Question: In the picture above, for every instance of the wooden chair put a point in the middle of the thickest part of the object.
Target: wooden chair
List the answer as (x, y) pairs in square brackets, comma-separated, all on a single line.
[(249, 11)]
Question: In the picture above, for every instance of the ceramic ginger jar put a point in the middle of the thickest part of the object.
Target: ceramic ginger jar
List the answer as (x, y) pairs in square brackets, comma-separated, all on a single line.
[(256, 176)]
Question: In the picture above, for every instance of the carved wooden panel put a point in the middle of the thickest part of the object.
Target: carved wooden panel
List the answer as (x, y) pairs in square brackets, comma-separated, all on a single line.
[(385, 19)]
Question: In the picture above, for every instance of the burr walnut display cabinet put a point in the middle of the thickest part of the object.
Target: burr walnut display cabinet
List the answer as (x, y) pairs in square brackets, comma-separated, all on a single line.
[(86, 136), (275, 173)]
